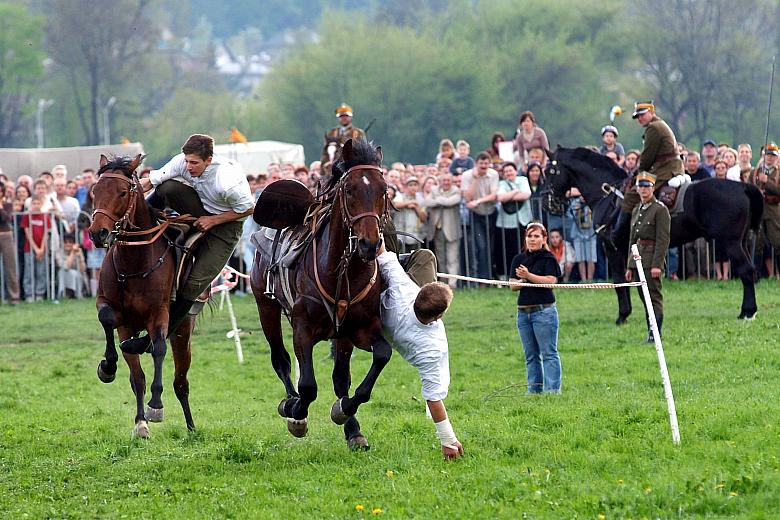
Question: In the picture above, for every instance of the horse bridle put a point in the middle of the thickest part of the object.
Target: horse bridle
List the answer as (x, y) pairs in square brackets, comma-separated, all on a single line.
[(349, 219), (123, 221)]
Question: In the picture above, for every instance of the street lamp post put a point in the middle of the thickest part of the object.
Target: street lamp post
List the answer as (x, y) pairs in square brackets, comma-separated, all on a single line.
[(43, 104), (106, 125)]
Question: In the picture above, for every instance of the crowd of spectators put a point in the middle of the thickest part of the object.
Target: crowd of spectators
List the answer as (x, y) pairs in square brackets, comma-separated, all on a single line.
[(470, 208)]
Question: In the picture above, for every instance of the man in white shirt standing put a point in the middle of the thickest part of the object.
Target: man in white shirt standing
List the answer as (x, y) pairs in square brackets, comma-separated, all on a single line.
[(412, 318), (215, 190)]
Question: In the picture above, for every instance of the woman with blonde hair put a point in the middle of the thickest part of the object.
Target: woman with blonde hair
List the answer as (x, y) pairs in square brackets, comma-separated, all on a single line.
[(537, 314)]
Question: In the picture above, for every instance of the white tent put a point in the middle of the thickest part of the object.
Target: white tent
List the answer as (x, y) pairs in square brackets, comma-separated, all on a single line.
[(32, 161), (255, 156)]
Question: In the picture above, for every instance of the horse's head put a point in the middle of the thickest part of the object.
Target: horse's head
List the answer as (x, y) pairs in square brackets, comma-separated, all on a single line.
[(361, 196), (114, 196), (583, 168)]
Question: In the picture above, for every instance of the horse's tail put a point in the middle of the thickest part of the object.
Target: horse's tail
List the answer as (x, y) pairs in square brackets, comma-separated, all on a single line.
[(756, 199)]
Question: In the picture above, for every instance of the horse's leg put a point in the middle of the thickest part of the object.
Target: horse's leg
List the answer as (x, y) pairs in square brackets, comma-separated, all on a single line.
[(342, 379), (346, 407), (271, 320), (297, 409), (743, 267), (617, 262), (138, 384), (182, 356), (154, 410), (106, 370)]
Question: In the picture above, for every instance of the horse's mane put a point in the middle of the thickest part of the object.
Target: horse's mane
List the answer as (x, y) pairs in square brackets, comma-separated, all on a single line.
[(117, 162), (363, 152), (595, 160)]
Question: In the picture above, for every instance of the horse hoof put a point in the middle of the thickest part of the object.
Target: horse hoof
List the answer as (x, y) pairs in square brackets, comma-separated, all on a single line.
[(141, 430), (358, 443), (621, 320), (154, 414), (747, 317), (104, 375), (283, 404), (337, 415), (298, 428)]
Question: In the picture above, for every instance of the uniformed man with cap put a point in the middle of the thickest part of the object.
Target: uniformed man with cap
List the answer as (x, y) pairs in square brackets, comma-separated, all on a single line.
[(659, 157), (767, 178), (650, 230), (340, 134)]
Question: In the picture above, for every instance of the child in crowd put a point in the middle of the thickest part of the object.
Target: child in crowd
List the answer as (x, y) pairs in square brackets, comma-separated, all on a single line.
[(584, 238), (72, 267), (563, 251), (609, 135), (463, 161), (37, 227)]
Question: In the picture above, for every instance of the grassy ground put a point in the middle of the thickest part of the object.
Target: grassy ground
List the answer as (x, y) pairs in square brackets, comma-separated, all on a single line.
[(603, 447)]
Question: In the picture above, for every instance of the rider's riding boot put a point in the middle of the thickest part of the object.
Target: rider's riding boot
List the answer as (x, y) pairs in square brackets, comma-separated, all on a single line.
[(176, 314), (620, 229)]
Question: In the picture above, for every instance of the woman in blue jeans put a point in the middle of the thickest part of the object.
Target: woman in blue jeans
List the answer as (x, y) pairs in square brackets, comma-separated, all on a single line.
[(537, 316)]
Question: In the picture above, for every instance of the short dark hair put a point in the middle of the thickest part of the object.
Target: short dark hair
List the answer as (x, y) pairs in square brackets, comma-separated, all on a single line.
[(527, 115), (199, 144), (482, 156), (69, 237), (433, 300)]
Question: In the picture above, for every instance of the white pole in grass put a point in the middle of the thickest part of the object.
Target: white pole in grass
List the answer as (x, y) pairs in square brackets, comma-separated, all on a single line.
[(659, 349), (236, 331)]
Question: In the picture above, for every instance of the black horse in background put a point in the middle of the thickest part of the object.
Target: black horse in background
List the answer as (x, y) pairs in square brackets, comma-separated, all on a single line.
[(716, 209)]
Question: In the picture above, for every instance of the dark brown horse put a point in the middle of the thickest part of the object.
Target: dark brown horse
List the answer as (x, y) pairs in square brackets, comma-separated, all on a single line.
[(134, 289), (335, 290)]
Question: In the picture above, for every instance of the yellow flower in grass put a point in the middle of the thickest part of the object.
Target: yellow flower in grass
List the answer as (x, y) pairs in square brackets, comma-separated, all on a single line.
[(719, 487), (390, 473), (376, 511), (602, 516), (620, 482), (733, 494), (359, 508), (648, 489)]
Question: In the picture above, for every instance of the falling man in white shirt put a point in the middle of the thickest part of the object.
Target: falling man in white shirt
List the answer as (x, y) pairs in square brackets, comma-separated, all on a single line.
[(411, 316)]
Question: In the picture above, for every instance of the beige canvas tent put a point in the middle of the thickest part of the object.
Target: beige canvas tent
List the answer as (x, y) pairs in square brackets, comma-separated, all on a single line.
[(255, 156), (32, 161)]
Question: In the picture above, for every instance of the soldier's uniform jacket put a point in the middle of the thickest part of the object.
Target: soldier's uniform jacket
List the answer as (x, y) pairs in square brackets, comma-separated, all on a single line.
[(344, 133), (659, 155), (650, 227)]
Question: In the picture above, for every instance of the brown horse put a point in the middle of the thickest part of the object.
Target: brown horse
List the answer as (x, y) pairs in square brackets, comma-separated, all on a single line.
[(135, 286), (335, 290)]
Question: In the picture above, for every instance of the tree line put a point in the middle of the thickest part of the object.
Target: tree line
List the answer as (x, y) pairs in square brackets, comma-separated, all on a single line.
[(417, 70)]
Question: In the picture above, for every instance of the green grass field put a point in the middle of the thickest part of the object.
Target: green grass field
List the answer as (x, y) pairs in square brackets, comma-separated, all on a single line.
[(602, 449)]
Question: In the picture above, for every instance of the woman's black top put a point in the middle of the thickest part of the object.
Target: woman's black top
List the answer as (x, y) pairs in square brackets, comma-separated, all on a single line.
[(542, 263)]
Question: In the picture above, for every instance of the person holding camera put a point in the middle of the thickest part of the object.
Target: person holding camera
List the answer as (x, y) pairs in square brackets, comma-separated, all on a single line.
[(537, 315), (514, 214)]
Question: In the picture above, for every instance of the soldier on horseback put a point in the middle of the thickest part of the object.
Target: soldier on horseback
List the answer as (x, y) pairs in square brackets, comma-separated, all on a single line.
[(659, 158)]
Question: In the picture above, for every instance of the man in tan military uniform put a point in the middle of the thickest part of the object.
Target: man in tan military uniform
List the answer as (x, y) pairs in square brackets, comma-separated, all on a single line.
[(767, 178), (340, 134), (650, 230), (659, 157)]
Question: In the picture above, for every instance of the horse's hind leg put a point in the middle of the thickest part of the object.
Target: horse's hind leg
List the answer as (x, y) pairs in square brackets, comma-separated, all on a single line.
[(342, 380), (182, 356), (297, 409), (106, 370), (154, 411), (743, 267)]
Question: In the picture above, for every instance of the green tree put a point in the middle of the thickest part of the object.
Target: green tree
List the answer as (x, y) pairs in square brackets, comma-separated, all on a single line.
[(21, 69), (706, 64), (415, 88)]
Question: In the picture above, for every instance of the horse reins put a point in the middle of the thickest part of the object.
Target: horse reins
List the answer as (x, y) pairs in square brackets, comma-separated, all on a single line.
[(342, 305)]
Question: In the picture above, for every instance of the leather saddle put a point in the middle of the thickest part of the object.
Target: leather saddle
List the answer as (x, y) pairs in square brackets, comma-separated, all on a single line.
[(672, 197)]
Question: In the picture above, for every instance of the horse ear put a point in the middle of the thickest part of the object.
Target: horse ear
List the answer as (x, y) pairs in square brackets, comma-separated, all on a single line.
[(549, 153), (136, 162), (103, 160), (379, 154), (346, 151)]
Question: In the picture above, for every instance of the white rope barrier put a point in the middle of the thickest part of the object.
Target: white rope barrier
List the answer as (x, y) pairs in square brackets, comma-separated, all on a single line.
[(541, 285)]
